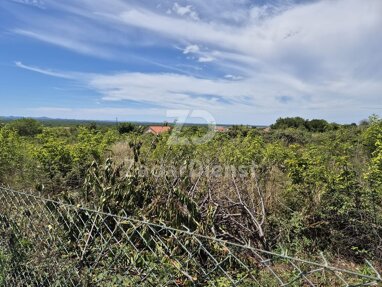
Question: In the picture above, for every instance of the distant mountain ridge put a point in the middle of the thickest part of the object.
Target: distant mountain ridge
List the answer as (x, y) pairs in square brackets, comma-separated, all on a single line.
[(58, 121)]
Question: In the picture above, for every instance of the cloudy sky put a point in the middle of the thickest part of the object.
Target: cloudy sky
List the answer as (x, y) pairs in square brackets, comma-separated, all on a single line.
[(242, 61)]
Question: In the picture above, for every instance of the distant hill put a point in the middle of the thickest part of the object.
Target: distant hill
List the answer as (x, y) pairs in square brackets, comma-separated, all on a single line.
[(59, 122), (73, 122)]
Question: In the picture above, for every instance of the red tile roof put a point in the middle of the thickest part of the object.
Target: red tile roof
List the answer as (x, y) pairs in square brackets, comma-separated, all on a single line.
[(220, 129), (158, 129)]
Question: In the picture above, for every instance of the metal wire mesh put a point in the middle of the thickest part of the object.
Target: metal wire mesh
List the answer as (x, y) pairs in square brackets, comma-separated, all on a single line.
[(48, 243)]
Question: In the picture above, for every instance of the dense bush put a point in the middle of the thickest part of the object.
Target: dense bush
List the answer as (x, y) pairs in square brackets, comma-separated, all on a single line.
[(26, 127), (283, 123), (10, 155), (304, 185), (125, 128), (372, 132), (315, 125)]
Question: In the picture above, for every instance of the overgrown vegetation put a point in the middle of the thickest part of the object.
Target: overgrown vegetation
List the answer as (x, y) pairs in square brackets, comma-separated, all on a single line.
[(304, 186)]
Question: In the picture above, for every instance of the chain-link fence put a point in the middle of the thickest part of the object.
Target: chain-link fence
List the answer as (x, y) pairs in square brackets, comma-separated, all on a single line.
[(48, 243)]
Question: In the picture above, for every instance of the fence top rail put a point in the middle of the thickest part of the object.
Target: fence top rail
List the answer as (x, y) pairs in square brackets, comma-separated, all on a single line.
[(324, 265)]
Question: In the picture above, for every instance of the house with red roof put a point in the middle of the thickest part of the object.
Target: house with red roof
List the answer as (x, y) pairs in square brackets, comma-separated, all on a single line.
[(221, 129), (156, 130)]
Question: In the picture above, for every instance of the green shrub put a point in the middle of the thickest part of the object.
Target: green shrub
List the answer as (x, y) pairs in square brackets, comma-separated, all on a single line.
[(11, 154), (125, 128), (26, 127)]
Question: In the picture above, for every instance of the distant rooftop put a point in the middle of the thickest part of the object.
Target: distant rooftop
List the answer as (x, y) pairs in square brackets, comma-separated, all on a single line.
[(158, 129)]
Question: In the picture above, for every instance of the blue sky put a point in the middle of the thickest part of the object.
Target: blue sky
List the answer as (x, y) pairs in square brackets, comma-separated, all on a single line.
[(241, 61)]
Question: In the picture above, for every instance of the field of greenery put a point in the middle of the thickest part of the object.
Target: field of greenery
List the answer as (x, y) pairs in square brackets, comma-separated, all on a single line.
[(302, 186)]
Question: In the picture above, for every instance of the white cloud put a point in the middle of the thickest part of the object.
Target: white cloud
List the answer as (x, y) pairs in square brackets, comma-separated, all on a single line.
[(36, 3), (44, 71), (296, 30), (168, 90), (303, 52), (233, 77), (249, 99), (206, 59), (191, 49), (185, 11), (66, 42)]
